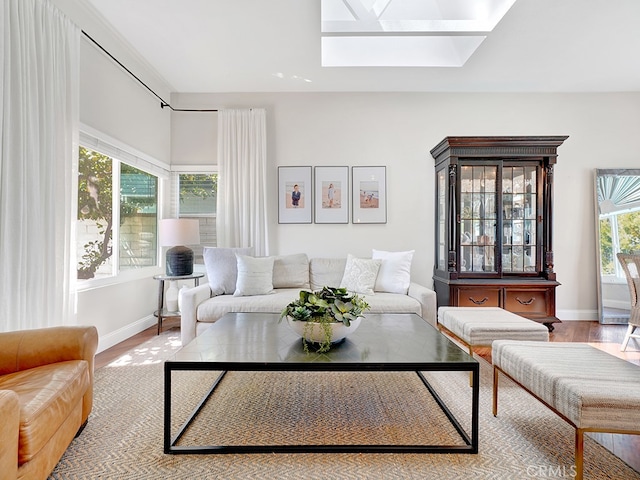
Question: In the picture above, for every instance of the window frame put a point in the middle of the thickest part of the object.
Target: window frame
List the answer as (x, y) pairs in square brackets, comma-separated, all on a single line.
[(121, 153), (619, 276), (176, 171)]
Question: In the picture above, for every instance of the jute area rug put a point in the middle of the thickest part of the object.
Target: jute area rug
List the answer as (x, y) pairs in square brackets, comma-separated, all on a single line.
[(123, 439)]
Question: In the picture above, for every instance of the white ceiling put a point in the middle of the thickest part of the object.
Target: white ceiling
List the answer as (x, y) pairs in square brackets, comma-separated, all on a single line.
[(274, 46)]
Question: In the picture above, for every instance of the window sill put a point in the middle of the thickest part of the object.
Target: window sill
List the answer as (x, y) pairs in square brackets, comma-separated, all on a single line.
[(122, 277)]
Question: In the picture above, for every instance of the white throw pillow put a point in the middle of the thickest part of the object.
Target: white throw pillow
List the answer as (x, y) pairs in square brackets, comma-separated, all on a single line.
[(222, 268), (360, 274), (255, 276), (394, 275)]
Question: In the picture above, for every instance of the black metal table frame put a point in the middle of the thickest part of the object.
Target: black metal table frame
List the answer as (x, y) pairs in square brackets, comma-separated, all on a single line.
[(471, 442)]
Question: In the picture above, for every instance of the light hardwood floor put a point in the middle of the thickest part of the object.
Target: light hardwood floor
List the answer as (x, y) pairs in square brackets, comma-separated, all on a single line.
[(606, 337)]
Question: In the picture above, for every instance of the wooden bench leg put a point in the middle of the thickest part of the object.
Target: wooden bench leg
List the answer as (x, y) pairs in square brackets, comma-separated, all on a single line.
[(579, 454)]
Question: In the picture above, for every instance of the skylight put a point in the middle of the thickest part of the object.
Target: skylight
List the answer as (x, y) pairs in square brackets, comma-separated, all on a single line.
[(412, 33)]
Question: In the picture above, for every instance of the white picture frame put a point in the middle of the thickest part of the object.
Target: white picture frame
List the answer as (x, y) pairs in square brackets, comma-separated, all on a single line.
[(295, 195), (369, 194), (331, 186)]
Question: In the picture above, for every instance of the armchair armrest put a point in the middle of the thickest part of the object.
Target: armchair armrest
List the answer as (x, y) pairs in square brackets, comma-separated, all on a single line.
[(191, 298), (9, 432), (427, 299), (24, 349)]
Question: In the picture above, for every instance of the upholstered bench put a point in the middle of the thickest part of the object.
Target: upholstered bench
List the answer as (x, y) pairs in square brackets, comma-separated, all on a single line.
[(590, 389), (480, 326)]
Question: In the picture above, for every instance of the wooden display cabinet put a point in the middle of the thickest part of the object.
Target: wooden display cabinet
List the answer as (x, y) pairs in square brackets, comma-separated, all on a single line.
[(494, 224)]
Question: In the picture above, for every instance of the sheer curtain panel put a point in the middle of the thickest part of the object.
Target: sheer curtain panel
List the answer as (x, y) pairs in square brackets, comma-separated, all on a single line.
[(38, 163), (242, 197)]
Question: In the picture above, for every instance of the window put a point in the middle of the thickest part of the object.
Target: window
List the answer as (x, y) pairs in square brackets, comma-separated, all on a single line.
[(117, 204), (619, 233), (197, 198), (618, 197)]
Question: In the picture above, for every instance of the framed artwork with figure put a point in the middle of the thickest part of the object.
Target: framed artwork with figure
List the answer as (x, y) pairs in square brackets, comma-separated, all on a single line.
[(331, 194), (369, 194), (294, 194)]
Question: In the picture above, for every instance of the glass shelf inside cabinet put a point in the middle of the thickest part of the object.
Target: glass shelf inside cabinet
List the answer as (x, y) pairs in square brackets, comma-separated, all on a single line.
[(519, 219), (478, 218)]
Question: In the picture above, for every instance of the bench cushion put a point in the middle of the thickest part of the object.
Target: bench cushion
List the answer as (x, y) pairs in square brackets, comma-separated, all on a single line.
[(483, 325), (590, 387)]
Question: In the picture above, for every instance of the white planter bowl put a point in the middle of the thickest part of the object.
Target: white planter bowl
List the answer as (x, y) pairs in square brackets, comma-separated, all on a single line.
[(313, 332)]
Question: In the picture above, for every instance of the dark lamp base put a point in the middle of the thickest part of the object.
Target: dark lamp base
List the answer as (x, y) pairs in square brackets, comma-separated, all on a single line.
[(179, 261)]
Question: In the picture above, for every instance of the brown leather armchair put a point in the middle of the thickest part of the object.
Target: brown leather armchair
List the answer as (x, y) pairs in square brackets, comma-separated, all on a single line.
[(46, 395)]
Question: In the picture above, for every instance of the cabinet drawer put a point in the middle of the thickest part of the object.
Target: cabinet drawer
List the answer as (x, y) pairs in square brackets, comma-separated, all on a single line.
[(478, 297), (526, 301)]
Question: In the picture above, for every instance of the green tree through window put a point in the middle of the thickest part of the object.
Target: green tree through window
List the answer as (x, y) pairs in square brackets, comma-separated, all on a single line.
[(137, 206), (95, 201)]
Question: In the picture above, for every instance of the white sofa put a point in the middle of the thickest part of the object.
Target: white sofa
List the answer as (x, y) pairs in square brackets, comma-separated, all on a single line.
[(200, 306)]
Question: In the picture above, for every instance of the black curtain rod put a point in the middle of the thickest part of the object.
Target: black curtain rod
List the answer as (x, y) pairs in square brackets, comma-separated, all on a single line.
[(162, 102)]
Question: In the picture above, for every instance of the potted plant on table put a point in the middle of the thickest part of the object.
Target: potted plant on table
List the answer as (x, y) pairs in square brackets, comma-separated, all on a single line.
[(325, 317)]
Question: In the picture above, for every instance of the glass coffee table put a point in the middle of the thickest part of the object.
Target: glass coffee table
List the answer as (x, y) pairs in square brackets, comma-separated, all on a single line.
[(259, 342)]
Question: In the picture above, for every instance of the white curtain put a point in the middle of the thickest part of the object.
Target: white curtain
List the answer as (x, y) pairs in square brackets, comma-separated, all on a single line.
[(38, 164), (242, 167)]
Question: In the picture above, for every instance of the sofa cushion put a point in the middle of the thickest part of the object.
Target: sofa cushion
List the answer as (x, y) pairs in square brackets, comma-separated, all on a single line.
[(326, 272), (48, 395), (222, 268), (215, 307), (291, 271), (394, 275), (360, 275), (383, 302), (255, 276)]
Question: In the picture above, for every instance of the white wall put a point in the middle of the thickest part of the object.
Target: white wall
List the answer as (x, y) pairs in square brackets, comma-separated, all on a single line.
[(115, 104), (398, 130)]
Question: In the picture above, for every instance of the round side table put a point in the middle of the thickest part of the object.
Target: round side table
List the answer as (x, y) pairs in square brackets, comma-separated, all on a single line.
[(162, 312)]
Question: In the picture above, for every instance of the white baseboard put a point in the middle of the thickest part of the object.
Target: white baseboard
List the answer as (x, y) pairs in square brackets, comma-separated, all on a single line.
[(120, 335), (570, 315)]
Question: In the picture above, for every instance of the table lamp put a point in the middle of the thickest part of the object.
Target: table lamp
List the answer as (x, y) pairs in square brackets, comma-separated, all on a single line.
[(176, 233)]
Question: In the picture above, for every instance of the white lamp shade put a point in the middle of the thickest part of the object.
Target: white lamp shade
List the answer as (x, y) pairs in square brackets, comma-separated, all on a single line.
[(179, 231)]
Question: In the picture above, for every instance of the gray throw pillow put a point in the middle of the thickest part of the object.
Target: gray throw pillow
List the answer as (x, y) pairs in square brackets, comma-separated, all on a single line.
[(222, 268)]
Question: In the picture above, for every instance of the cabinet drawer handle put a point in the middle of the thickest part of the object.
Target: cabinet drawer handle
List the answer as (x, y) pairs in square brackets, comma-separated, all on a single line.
[(525, 302), (479, 302)]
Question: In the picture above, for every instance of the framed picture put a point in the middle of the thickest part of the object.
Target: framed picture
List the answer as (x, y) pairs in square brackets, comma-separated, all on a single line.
[(294, 194), (331, 186), (369, 191)]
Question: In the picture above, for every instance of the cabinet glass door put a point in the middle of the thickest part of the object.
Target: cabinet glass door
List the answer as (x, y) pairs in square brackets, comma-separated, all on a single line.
[(478, 218), (519, 210), (441, 251)]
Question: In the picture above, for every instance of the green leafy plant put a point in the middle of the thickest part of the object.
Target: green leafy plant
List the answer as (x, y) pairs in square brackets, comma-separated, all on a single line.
[(326, 306)]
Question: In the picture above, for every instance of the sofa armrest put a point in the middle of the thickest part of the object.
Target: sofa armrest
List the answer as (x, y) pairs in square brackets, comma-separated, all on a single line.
[(427, 299), (9, 432), (191, 298)]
